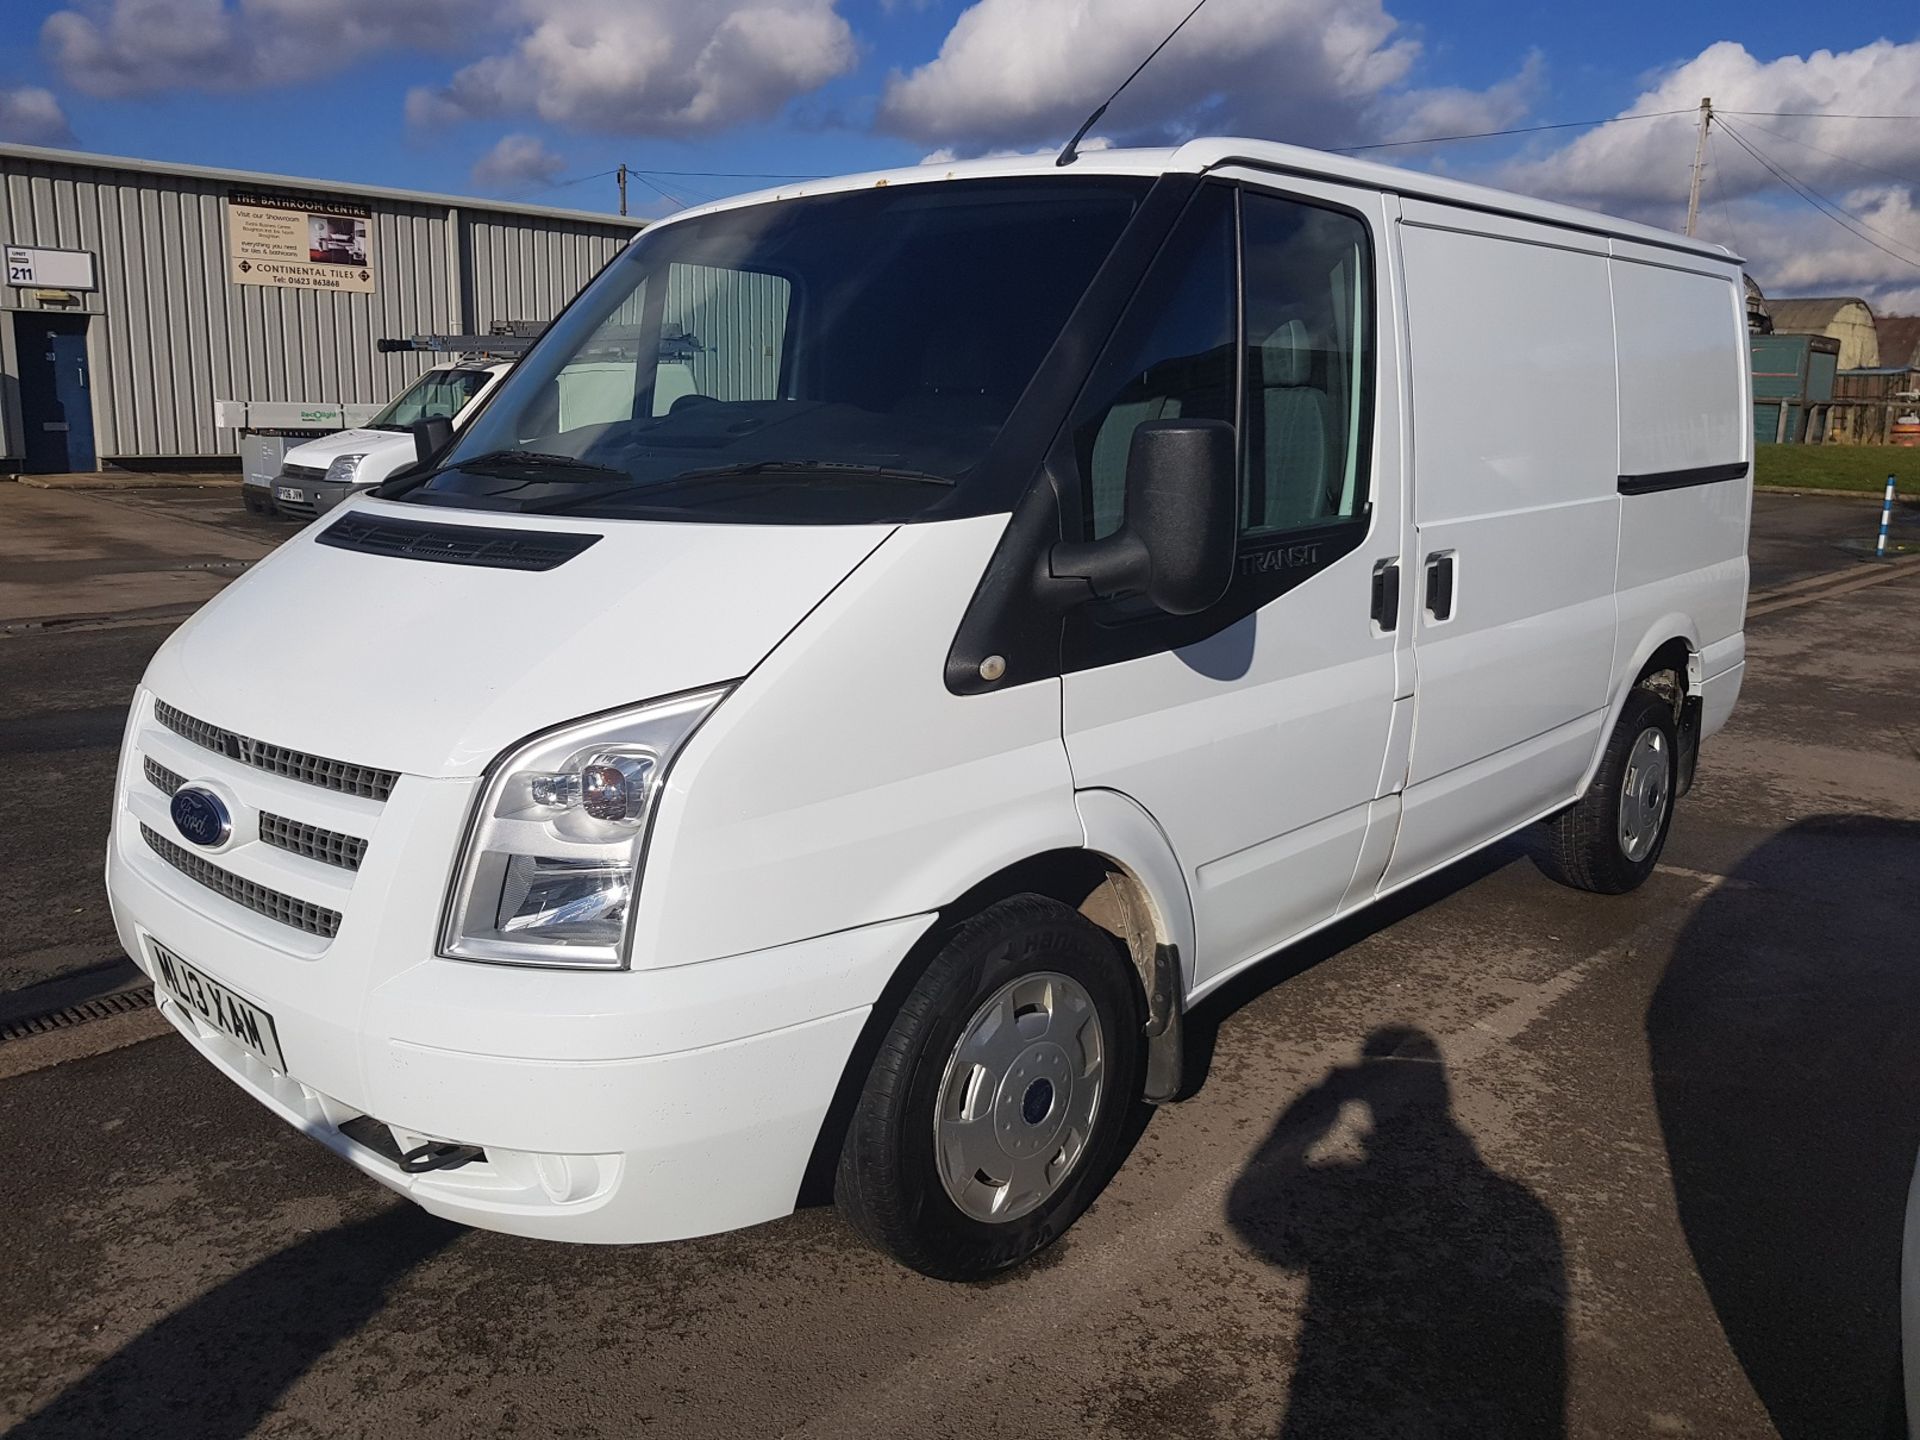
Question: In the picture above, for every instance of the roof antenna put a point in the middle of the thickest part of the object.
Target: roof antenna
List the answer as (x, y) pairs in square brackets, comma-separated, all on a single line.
[(1072, 152)]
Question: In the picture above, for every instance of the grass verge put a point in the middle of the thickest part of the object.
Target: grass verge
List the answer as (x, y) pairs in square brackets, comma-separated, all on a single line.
[(1838, 467)]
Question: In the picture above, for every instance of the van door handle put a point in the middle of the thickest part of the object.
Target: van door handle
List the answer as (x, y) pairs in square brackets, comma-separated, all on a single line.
[(1386, 594), (1440, 586)]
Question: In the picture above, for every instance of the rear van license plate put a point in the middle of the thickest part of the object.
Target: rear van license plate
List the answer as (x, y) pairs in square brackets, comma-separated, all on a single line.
[(290, 494), (218, 1006)]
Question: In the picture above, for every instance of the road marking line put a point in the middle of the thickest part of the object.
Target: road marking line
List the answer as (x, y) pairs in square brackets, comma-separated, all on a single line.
[(1892, 571), (1706, 876), (1816, 582)]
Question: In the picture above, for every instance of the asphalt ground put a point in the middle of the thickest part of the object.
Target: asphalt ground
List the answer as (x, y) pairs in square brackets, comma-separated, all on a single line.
[(1496, 1159)]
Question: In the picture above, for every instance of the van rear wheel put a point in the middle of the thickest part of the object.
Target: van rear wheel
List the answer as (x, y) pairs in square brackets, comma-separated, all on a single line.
[(1610, 839), (998, 1102)]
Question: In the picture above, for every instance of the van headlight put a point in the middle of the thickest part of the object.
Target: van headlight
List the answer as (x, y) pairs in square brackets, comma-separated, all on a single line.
[(343, 469), (552, 855)]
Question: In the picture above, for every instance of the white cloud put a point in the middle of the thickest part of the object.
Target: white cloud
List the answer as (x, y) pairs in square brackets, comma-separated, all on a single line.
[(659, 67), (143, 47), (1456, 110), (1648, 161), (1790, 249), (32, 116), (517, 161), (1641, 168), (1013, 74)]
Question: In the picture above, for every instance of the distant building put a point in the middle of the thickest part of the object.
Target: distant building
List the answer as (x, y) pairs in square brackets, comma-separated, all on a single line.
[(1845, 318), (138, 296), (1759, 317), (1877, 404), (1899, 341)]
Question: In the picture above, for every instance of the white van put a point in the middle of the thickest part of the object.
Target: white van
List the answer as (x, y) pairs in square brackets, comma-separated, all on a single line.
[(1044, 594), (318, 475)]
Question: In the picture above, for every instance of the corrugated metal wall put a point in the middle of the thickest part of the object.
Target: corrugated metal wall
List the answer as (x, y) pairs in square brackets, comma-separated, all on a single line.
[(516, 271), (737, 320), (175, 334)]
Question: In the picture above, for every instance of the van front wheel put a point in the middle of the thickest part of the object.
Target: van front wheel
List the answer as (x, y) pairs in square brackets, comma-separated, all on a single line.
[(998, 1102), (1610, 839)]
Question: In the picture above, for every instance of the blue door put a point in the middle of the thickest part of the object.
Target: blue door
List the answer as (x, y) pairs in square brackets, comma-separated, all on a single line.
[(56, 394)]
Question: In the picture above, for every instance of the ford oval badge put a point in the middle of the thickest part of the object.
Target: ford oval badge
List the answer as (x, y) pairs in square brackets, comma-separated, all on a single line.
[(201, 816)]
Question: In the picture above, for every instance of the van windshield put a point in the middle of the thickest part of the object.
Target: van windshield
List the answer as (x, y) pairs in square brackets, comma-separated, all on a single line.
[(841, 358), (438, 393)]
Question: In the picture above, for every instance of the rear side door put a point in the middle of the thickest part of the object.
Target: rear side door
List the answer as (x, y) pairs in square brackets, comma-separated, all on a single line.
[(1256, 733), (1517, 517)]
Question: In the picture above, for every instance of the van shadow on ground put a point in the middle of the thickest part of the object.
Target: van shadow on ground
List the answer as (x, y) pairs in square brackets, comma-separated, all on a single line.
[(1785, 1045), (217, 1366)]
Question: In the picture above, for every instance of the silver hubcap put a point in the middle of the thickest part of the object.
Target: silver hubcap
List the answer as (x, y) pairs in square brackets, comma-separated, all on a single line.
[(1019, 1097), (1644, 795)]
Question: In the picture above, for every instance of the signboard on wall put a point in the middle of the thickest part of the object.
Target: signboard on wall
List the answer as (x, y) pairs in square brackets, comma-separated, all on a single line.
[(32, 267), (299, 244)]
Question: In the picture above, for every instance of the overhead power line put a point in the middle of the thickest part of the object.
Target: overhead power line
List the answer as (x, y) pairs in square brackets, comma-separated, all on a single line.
[(1831, 154), (1841, 216), (1720, 195), (728, 174), (1495, 134), (1830, 202), (1813, 115)]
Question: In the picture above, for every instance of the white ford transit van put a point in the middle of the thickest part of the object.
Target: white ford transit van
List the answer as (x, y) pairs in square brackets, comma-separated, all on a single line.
[(1037, 595)]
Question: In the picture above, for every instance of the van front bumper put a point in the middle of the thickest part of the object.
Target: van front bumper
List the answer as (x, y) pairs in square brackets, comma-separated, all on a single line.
[(612, 1107)]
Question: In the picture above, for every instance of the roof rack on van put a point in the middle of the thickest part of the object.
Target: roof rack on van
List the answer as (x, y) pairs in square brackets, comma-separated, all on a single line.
[(502, 346)]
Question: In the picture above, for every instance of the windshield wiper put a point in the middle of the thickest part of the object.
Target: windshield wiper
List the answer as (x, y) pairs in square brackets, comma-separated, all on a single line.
[(532, 463), (776, 471), (832, 468)]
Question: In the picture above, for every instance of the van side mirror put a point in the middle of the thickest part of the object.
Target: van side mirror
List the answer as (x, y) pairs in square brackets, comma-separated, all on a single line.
[(431, 436), (1176, 545)]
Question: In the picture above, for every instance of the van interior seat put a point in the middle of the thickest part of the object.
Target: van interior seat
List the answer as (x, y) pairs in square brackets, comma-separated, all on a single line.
[(1111, 448), (1298, 427)]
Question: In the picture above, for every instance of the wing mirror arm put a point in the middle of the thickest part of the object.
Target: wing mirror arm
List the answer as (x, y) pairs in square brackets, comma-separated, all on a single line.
[(1176, 546)]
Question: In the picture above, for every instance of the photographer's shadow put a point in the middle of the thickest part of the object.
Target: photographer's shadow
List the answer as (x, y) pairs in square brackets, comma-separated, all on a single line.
[(1436, 1288)]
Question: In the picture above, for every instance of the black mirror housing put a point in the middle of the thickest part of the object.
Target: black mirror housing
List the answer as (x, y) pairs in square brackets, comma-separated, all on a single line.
[(430, 437), (1176, 545)]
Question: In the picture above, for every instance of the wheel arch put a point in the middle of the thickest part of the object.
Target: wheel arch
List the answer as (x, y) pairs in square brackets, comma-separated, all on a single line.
[(1670, 643), (1126, 880)]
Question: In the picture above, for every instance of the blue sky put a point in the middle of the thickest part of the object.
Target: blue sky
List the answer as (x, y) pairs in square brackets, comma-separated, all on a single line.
[(519, 97)]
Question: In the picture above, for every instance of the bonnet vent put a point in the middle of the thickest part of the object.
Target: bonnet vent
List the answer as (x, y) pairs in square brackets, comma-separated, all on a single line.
[(455, 544)]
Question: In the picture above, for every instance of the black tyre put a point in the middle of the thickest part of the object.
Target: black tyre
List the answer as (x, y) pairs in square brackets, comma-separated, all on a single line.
[(1610, 839), (998, 1102)]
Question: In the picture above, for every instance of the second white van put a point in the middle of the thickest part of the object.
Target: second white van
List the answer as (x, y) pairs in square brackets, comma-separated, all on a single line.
[(989, 607)]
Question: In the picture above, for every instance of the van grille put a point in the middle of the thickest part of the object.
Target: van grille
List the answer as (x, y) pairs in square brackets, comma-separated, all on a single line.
[(330, 847), (338, 775), (300, 914), (306, 473), (162, 778)]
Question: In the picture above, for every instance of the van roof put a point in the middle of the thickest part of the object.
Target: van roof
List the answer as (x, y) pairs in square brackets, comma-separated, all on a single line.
[(1202, 155)]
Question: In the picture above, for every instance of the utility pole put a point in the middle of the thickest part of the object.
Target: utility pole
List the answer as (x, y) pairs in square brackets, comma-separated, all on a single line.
[(620, 175), (1699, 164)]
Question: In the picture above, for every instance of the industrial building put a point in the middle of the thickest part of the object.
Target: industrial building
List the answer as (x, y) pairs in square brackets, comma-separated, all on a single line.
[(149, 305), (1842, 317)]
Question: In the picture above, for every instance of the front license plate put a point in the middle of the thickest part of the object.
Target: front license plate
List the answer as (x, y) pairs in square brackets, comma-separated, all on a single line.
[(293, 495), (219, 1006)]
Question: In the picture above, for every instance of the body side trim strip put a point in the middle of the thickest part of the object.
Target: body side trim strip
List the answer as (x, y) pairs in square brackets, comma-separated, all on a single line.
[(1682, 479)]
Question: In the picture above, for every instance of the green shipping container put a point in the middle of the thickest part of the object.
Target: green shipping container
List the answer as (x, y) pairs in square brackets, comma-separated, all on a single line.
[(1790, 371)]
